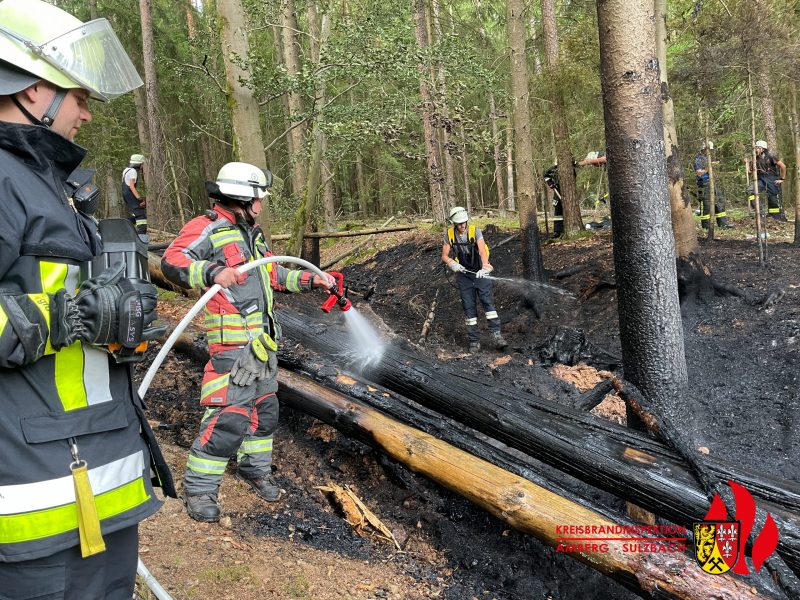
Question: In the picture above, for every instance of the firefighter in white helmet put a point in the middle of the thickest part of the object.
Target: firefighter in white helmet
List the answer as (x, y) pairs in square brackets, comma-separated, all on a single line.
[(465, 253), (76, 476), (771, 173), (134, 201), (240, 380)]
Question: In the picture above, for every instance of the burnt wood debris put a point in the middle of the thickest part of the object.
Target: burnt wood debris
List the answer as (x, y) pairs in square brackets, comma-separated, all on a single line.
[(506, 426)]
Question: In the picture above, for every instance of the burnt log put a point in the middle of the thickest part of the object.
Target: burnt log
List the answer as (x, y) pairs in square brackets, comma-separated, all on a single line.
[(527, 507), (626, 463)]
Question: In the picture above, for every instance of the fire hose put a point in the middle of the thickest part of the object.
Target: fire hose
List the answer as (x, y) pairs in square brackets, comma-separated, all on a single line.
[(336, 297)]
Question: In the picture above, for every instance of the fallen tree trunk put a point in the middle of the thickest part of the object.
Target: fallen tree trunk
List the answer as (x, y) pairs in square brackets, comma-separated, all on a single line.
[(626, 463), (523, 505)]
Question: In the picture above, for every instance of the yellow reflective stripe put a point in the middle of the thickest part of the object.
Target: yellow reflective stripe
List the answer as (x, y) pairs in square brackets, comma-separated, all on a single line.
[(774, 210), (52, 521), (196, 278), (451, 235), (207, 465), (256, 446), (223, 238), (4, 321), (69, 360), (293, 281), (214, 385)]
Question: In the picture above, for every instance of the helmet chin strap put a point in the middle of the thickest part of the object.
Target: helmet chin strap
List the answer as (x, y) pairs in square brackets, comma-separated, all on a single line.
[(49, 115)]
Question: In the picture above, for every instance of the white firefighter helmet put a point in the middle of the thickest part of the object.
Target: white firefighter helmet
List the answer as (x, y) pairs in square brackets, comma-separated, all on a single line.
[(458, 214), (137, 159), (761, 144), (243, 181), (40, 41)]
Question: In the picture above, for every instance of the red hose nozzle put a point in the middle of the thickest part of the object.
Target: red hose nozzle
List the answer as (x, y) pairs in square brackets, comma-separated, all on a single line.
[(336, 295)]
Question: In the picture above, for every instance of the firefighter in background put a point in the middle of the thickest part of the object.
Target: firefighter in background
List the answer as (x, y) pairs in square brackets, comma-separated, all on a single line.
[(137, 206), (466, 254), (75, 479), (770, 172), (551, 179), (704, 193), (240, 380)]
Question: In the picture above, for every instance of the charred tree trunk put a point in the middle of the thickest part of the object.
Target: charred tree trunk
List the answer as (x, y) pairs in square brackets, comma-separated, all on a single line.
[(528, 507), (626, 463)]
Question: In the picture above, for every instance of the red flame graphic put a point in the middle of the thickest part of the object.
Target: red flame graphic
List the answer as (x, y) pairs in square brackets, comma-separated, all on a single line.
[(767, 540)]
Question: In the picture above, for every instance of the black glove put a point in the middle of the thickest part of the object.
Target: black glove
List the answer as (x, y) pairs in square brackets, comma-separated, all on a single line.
[(257, 360), (107, 309)]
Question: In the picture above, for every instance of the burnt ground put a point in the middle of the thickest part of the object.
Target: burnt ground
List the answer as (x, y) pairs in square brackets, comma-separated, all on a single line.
[(741, 358)]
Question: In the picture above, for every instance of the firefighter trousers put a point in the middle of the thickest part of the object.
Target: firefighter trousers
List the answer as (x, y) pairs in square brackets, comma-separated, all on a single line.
[(243, 426), (472, 289)]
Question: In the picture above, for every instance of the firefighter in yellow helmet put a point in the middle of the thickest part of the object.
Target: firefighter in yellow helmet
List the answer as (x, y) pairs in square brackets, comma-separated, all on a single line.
[(466, 254), (76, 476)]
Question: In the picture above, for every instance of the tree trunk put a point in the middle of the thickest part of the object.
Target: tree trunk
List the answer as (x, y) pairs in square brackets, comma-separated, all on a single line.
[(465, 167), (291, 56), (248, 142), (573, 223), (277, 42), (796, 143), (445, 124), (435, 178), (767, 106), (526, 506), (532, 266), (683, 227), (362, 188), (621, 461), (499, 165), (157, 195), (328, 192), (644, 249)]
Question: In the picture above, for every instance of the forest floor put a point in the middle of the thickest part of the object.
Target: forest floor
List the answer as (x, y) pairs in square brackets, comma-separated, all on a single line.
[(741, 358)]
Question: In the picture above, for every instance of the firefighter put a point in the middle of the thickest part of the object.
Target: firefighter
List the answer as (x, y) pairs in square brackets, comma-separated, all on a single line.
[(703, 191), (551, 179), (771, 172), (240, 380), (137, 205), (75, 479), (466, 254)]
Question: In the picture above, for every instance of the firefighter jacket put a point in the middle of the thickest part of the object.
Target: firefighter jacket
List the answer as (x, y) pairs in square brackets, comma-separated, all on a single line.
[(52, 400), (221, 238)]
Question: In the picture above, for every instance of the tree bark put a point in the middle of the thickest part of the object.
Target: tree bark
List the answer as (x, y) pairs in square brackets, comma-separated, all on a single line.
[(532, 266), (683, 226), (644, 249), (573, 223), (434, 170), (157, 207), (465, 168), (443, 111), (499, 165), (291, 56)]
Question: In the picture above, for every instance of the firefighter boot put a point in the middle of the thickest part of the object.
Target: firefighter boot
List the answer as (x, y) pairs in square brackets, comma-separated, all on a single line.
[(498, 341), (202, 507), (265, 486), (474, 347)]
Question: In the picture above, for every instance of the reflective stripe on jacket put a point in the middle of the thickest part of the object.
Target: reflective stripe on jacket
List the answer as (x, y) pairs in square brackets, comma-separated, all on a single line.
[(241, 312), (77, 393)]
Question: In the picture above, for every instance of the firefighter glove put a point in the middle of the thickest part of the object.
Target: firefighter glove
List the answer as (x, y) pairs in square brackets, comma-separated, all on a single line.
[(108, 309), (483, 273), (457, 267), (258, 360)]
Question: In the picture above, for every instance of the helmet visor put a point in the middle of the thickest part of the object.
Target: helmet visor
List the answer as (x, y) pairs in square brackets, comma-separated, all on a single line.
[(94, 58)]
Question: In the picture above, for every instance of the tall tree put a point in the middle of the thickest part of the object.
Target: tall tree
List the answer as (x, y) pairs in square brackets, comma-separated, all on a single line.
[(683, 226), (644, 250), (291, 57), (499, 164), (566, 176), (248, 142), (532, 266), (443, 110), (435, 178), (157, 209)]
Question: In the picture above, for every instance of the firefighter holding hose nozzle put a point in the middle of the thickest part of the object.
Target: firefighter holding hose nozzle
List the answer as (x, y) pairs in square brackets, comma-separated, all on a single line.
[(240, 380)]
